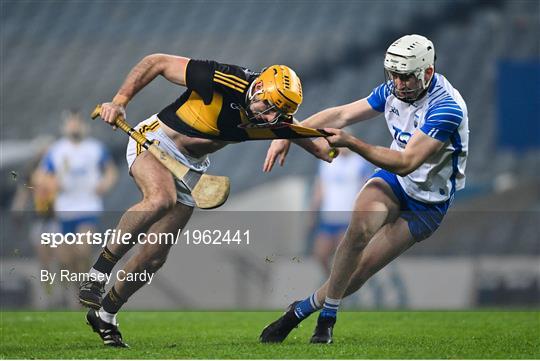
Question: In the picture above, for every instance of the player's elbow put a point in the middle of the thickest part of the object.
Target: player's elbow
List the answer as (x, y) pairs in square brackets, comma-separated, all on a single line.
[(406, 167), (156, 61), (155, 58)]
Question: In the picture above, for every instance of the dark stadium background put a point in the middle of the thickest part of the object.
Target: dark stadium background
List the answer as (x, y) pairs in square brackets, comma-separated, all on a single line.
[(60, 54)]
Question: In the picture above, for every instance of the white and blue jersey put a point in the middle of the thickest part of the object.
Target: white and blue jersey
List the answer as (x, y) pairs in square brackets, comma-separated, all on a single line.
[(441, 114), (78, 168)]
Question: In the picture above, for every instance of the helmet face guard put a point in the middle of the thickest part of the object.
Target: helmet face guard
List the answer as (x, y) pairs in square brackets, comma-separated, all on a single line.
[(407, 94), (409, 57), (280, 89), (253, 117)]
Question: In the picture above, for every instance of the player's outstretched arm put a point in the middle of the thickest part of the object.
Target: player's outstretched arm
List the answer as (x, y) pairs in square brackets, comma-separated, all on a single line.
[(336, 117), (419, 148), (341, 116), (172, 68)]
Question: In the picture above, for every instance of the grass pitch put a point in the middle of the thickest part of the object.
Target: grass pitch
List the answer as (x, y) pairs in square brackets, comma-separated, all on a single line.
[(233, 335)]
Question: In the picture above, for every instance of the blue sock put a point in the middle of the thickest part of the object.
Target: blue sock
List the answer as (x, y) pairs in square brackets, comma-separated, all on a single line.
[(330, 307), (307, 307)]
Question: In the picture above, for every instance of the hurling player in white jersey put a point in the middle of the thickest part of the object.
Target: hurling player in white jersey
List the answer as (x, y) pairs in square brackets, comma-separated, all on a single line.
[(83, 171), (405, 201)]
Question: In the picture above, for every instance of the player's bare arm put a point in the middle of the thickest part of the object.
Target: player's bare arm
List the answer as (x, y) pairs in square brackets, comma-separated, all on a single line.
[(279, 149), (418, 150), (170, 67), (342, 116), (336, 117), (318, 147)]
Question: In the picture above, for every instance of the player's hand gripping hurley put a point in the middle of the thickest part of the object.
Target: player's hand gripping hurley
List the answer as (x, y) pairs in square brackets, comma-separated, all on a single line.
[(208, 191)]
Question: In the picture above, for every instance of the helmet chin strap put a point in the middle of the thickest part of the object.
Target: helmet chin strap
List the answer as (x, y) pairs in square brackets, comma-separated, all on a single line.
[(425, 86), (250, 95), (249, 99), (423, 75)]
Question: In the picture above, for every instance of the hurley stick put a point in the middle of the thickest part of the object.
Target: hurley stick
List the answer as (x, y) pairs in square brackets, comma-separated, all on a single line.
[(208, 191)]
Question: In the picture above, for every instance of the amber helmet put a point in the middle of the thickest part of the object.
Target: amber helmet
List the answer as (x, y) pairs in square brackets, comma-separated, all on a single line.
[(281, 88)]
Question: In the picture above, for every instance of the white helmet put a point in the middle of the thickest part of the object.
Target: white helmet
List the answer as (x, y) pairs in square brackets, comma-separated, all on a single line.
[(410, 55)]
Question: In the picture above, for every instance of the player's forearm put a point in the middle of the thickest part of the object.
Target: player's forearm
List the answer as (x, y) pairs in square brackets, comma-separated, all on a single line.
[(140, 76), (318, 147), (392, 160), (306, 143), (328, 118), (342, 116)]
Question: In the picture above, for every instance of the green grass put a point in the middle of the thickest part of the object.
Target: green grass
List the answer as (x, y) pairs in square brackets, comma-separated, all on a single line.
[(229, 335)]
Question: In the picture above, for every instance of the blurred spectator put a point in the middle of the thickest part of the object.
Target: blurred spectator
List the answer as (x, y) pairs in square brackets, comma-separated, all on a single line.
[(335, 190), (84, 172)]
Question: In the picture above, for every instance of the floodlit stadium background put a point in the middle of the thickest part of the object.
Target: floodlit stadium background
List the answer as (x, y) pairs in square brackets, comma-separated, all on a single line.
[(58, 55)]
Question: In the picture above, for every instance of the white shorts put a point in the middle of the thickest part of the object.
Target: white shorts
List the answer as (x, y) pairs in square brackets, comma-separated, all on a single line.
[(151, 129)]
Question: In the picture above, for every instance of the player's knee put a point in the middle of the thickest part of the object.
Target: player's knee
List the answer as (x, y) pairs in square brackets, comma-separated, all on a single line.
[(154, 261), (160, 202), (358, 236)]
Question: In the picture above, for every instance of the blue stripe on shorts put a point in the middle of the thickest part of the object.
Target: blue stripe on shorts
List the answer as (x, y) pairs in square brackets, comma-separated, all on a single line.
[(423, 218)]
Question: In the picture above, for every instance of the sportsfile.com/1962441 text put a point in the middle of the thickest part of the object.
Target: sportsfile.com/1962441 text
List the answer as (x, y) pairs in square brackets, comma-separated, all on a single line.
[(195, 237)]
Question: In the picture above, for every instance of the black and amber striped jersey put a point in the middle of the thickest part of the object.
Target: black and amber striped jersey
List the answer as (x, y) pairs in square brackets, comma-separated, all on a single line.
[(211, 107)]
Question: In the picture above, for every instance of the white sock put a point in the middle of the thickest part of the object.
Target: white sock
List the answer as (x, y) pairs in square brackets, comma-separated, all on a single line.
[(315, 301), (97, 274), (331, 303), (107, 317)]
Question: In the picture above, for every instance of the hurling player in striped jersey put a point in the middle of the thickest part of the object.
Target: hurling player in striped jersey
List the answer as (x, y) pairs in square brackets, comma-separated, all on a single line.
[(222, 104), (406, 199)]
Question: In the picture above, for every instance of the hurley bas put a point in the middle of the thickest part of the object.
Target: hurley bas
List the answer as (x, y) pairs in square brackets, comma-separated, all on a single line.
[(68, 276)]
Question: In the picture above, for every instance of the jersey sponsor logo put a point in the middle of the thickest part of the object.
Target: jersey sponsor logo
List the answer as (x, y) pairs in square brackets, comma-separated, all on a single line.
[(394, 110), (400, 136), (235, 106)]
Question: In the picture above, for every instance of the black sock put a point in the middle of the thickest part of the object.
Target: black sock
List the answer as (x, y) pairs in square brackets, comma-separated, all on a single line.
[(112, 302), (106, 262)]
